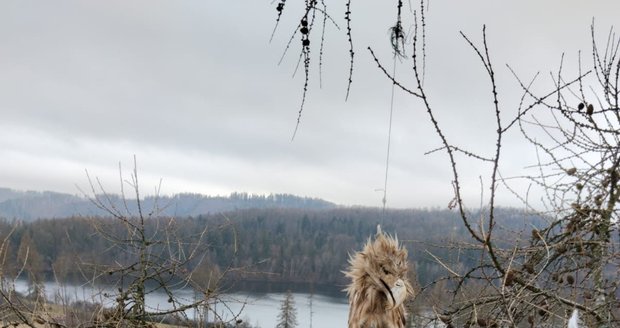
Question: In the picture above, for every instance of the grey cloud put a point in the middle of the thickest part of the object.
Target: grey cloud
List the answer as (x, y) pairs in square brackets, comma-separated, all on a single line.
[(193, 88)]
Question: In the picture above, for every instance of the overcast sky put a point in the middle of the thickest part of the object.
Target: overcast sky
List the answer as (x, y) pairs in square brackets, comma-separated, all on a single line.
[(194, 90)]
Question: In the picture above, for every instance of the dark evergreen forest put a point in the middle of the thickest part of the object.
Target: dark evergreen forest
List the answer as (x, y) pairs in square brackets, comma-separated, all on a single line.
[(300, 247)]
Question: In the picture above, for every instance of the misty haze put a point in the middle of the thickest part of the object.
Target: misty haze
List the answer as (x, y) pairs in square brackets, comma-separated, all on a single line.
[(360, 164)]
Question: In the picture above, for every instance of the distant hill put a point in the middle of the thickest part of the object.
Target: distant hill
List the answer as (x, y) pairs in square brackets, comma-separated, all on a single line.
[(32, 205)]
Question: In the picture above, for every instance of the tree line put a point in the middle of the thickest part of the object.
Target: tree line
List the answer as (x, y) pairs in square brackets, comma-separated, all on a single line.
[(286, 246), (32, 205)]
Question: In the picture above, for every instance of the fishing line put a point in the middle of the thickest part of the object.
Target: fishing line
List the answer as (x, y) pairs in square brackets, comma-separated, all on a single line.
[(389, 143)]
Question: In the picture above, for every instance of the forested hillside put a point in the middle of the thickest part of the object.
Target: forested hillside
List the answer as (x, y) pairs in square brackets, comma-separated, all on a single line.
[(274, 244), (32, 205)]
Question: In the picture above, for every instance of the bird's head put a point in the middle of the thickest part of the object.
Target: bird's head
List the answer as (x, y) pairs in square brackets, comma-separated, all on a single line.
[(382, 265)]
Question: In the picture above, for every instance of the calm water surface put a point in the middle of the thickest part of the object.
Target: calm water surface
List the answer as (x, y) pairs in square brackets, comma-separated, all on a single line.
[(258, 309)]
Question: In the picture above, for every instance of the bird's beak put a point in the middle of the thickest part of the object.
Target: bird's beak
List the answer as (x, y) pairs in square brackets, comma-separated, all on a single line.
[(398, 294)]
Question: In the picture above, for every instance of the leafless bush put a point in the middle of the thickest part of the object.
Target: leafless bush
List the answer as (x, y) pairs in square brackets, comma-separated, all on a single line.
[(156, 257), (145, 254), (572, 262)]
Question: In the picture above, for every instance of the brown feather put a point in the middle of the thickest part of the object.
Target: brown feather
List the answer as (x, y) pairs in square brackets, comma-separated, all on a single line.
[(379, 284)]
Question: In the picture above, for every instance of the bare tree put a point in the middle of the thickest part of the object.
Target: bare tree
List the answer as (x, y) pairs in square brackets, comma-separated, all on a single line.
[(569, 265), (148, 254), (572, 262), (155, 257)]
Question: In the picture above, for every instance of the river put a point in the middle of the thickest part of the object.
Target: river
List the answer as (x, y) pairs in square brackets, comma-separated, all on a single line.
[(260, 310)]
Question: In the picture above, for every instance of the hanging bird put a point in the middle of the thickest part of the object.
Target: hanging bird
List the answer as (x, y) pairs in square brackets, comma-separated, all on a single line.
[(379, 284)]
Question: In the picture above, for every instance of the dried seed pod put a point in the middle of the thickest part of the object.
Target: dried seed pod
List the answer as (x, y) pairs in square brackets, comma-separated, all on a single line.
[(590, 110), (528, 267), (571, 171), (544, 308), (555, 276), (581, 106), (561, 248), (303, 30), (510, 277), (605, 181), (571, 227), (598, 200), (305, 42)]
